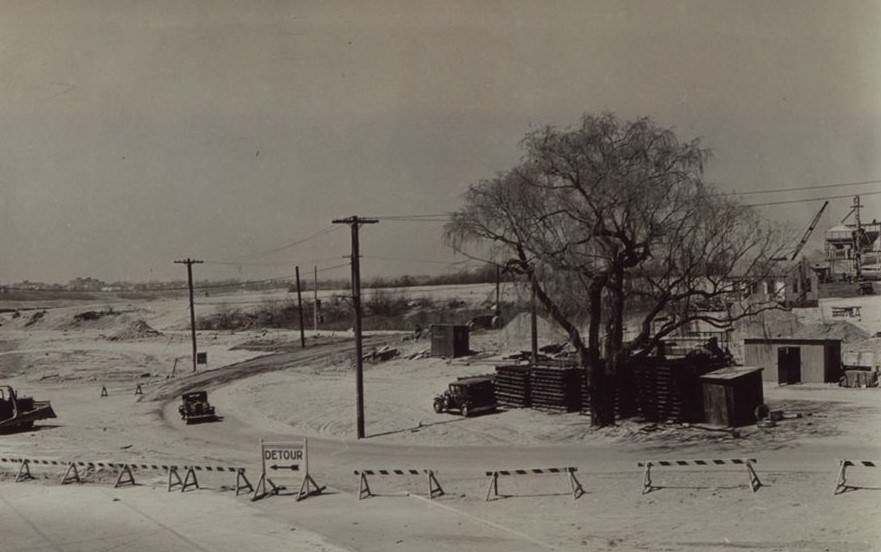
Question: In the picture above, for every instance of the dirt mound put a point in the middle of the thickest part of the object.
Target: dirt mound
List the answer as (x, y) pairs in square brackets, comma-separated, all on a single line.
[(770, 324), (136, 330), (843, 330), (517, 334)]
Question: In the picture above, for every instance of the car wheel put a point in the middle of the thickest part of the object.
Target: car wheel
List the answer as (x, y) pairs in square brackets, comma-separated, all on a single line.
[(466, 411), (438, 405)]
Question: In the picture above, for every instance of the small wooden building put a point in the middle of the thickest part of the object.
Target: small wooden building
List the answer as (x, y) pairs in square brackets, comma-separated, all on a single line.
[(731, 395), (448, 340), (789, 360)]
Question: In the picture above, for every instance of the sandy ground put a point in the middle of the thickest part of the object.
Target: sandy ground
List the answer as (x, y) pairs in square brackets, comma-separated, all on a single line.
[(310, 393)]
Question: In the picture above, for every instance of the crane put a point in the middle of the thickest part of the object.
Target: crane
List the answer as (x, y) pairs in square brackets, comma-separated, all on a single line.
[(808, 232)]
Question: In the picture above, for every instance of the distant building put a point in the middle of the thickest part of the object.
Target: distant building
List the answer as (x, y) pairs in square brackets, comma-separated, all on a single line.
[(844, 243)]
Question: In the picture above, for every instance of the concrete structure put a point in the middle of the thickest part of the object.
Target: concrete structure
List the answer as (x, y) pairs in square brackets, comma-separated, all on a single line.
[(788, 360), (731, 395)]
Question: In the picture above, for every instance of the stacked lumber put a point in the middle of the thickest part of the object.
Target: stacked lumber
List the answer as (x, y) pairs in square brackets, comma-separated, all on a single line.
[(512, 386), (671, 390), (555, 389)]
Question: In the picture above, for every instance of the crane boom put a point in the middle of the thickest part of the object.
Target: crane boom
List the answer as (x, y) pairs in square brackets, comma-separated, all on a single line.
[(809, 231)]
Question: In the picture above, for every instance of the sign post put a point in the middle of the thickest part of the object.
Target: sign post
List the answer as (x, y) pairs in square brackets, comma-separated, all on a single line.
[(285, 457)]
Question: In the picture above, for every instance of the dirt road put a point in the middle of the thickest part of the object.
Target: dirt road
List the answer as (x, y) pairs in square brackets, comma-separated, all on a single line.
[(697, 509)]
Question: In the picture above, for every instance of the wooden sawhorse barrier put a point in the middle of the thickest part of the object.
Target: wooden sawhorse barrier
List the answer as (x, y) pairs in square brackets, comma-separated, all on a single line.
[(648, 486), (434, 488), (574, 484), (126, 472), (841, 485)]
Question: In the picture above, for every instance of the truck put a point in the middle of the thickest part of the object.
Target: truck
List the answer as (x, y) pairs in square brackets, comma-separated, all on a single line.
[(20, 413), (195, 408)]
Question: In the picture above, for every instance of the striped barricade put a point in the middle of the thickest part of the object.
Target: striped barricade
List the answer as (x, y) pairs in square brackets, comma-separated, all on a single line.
[(841, 486), (126, 472), (569, 471), (434, 487), (648, 486), (105, 392)]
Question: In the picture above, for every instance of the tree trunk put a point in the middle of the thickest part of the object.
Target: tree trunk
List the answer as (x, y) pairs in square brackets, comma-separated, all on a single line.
[(602, 405), (617, 367)]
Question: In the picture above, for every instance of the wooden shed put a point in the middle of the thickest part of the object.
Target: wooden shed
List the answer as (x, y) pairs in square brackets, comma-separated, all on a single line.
[(448, 340), (731, 395), (790, 360)]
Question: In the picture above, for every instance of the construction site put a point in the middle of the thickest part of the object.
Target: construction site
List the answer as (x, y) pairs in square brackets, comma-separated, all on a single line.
[(121, 414), (440, 276)]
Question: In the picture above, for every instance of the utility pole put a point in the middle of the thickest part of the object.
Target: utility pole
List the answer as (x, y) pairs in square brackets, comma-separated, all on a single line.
[(498, 309), (315, 300), (858, 241), (190, 262), (300, 308), (355, 221), (533, 321)]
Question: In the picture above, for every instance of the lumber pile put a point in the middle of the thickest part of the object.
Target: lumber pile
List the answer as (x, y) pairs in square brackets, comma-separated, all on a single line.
[(555, 388), (670, 389), (512, 385)]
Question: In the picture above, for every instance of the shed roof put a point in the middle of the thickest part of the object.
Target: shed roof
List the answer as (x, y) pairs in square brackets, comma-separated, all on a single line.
[(731, 373), (789, 340)]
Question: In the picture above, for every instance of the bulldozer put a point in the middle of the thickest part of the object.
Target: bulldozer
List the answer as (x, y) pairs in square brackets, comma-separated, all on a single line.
[(19, 413), (194, 408)]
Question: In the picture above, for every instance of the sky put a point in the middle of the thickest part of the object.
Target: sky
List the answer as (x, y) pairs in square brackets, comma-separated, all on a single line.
[(137, 133)]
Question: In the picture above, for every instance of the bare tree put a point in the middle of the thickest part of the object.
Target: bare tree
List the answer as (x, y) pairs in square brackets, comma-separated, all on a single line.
[(609, 213)]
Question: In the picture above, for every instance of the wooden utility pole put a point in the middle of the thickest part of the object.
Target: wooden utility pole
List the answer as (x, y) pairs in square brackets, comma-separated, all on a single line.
[(858, 241), (355, 221), (315, 300), (190, 262), (498, 309), (300, 308), (533, 321)]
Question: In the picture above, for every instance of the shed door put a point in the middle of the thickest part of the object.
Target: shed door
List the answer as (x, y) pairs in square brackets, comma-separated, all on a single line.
[(788, 365)]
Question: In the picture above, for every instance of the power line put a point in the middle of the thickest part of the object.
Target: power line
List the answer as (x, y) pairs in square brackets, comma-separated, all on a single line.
[(288, 245), (427, 261), (807, 200), (267, 263), (801, 188)]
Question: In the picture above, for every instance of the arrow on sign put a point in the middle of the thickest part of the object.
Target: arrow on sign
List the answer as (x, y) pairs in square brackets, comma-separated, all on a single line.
[(292, 467)]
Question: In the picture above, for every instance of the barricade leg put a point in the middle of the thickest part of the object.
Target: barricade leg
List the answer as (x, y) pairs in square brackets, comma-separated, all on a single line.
[(754, 482), (841, 485), (103, 391), (363, 487), (242, 482), (647, 479), (71, 467), (174, 479), (308, 488), (493, 488), (24, 472), (122, 479), (261, 489), (189, 480), (577, 489), (434, 488)]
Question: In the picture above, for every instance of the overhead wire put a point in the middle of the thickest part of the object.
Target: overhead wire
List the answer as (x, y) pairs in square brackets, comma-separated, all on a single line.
[(802, 188), (808, 200), (241, 260)]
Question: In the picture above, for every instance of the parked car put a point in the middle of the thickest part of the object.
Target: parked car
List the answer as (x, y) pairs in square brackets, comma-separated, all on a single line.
[(468, 396)]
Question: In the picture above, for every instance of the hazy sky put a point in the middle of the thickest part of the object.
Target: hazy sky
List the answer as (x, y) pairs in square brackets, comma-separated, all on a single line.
[(136, 133)]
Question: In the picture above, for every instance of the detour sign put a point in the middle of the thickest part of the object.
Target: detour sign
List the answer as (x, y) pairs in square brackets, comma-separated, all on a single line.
[(283, 456)]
